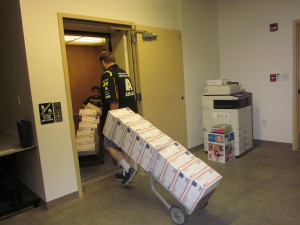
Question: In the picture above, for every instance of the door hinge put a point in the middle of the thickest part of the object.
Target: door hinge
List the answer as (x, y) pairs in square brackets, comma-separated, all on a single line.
[(134, 38), (138, 97)]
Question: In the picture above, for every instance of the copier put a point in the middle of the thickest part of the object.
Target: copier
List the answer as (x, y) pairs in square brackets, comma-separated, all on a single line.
[(229, 105)]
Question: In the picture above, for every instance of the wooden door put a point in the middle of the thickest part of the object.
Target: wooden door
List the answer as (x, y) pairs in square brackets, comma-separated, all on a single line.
[(161, 81)]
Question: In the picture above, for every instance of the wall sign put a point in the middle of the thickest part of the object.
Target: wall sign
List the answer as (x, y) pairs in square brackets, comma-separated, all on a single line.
[(46, 113)]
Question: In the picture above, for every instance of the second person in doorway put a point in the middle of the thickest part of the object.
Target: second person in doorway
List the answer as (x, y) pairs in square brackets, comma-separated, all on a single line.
[(95, 99)]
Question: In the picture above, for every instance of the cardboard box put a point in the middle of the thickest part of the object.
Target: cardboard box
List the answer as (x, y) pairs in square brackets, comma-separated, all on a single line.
[(91, 106), (88, 112), (131, 132), (187, 175), (221, 147), (87, 125), (121, 126), (134, 139), (139, 141), (85, 138), (86, 131), (174, 166), (197, 189), (86, 146), (91, 119), (112, 119), (164, 156), (150, 150), (86, 151)]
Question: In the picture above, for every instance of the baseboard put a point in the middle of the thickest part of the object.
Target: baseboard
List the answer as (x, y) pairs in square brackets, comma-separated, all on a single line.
[(256, 143), (194, 149), (272, 144), (60, 201)]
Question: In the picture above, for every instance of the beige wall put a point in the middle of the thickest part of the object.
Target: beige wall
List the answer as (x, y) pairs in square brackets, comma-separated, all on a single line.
[(201, 59), (46, 73), (249, 53), (15, 94)]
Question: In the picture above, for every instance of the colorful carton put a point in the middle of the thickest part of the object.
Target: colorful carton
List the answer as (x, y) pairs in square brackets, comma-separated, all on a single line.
[(221, 147)]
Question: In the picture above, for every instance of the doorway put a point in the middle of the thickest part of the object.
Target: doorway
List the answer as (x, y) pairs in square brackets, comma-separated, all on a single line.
[(155, 66), (296, 111), (84, 71)]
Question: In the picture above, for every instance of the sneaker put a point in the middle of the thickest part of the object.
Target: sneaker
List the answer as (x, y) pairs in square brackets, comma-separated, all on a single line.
[(129, 176), (120, 176)]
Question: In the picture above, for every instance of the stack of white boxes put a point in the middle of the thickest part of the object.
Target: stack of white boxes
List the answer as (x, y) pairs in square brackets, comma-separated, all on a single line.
[(184, 175), (87, 138)]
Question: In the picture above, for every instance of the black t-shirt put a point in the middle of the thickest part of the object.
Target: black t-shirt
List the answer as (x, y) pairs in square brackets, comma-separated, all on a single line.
[(116, 86), (93, 100)]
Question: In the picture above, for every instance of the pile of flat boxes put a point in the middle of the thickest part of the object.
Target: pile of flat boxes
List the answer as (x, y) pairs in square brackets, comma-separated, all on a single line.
[(87, 138), (184, 175)]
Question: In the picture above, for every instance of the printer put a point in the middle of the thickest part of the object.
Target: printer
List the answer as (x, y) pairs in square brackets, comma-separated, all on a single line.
[(229, 104)]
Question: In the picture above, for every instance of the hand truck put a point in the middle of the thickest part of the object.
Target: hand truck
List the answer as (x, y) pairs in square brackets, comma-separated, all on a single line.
[(178, 214)]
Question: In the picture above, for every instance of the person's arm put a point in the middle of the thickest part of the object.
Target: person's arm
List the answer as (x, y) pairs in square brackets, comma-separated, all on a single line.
[(84, 104), (114, 105)]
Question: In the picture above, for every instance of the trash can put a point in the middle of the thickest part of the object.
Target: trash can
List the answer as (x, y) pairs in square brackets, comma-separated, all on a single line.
[(25, 133)]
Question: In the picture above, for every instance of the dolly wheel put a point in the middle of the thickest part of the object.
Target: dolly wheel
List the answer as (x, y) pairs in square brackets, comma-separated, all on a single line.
[(178, 215), (203, 206)]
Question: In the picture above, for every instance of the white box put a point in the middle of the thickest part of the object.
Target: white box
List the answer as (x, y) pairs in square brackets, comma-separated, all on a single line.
[(129, 144), (136, 147), (86, 146), (112, 119), (87, 125), (151, 148), (175, 165), (86, 131), (91, 106), (85, 138), (88, 112), (165, 155), (91, 119), (202, 185), (131, 132), (85, 152), (121, 124), (87, 135), (187, 175)]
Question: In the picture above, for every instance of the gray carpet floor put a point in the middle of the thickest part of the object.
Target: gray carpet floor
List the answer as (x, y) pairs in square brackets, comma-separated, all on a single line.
[(261, 187)]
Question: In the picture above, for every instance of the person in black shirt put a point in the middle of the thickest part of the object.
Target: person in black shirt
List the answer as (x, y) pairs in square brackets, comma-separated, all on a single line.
[(116, 92), (95, 99)]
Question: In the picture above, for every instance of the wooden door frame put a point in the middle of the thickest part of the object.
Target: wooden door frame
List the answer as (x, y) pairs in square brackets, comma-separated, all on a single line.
[(132, 68), (296, 75)]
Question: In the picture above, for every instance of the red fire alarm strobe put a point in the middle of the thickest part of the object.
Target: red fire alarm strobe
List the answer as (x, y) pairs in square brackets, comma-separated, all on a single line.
[(273, 77), (273, 27)]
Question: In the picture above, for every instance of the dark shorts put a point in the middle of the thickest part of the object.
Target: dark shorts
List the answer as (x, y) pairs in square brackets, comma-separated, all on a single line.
[(110, 143)]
